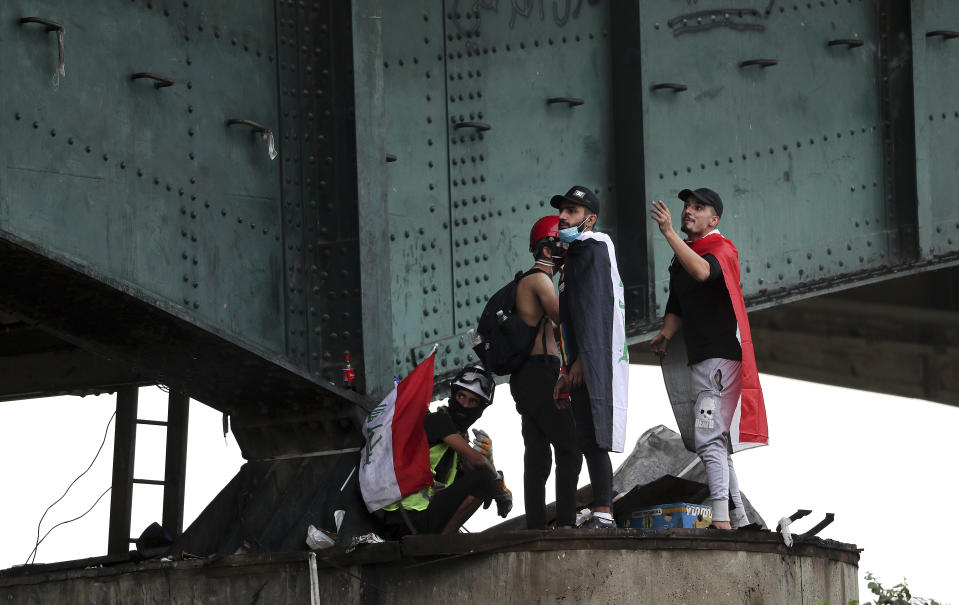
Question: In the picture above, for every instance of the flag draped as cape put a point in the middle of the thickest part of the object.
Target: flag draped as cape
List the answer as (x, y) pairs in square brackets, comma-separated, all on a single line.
[(593, 330), (749, 427)]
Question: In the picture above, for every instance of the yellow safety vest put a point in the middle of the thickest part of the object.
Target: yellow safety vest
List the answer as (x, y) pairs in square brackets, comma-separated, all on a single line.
[(421, 499)]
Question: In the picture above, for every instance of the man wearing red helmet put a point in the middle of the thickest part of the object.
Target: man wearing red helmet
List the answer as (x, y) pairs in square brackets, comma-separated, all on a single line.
[(543, 422)]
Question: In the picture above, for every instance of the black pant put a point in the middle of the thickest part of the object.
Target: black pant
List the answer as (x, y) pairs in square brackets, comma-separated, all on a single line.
[(597, 459), (544, 424), (479, 483)]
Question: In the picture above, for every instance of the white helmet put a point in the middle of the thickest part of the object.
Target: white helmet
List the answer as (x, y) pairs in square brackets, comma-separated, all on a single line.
[(477, 380)]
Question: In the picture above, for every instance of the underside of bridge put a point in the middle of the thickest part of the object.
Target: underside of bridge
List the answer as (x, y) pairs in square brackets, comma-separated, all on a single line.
[(897, 336), (227, 200)]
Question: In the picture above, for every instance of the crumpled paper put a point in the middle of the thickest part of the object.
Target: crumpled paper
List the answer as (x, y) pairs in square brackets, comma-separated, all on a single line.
[(370, 538), (318, 539)]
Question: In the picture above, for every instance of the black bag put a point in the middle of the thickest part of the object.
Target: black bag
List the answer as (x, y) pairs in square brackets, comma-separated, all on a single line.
[(507, 339)]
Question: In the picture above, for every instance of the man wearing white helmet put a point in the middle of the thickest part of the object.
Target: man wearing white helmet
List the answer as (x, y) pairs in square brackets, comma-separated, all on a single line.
[(464, 477)]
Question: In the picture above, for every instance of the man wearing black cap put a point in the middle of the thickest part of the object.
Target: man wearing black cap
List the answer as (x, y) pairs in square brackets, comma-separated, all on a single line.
[(725, 405), (595, 371)]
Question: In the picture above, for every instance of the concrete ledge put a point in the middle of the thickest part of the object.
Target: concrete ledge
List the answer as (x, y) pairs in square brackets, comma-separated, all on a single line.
[(612, 566), (578, 566)]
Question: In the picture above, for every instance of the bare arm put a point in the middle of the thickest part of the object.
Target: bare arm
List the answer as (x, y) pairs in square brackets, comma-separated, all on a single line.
[(671, 324), (694, 264)]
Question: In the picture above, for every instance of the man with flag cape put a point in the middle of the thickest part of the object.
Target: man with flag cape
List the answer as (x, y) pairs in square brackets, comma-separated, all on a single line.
[(418, 471), (595, 372), (710, 373)]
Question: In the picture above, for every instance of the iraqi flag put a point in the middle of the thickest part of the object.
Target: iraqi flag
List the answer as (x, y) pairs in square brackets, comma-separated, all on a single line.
[(591, 294), (395, 461), (748, 428)]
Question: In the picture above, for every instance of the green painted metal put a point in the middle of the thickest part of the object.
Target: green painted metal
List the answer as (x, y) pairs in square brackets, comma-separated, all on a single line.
[(143, 185), (462, 197), (418, 144), (935, 63), (321, 267), (377, 303), (794, 148), (420, 250), (152, 189)]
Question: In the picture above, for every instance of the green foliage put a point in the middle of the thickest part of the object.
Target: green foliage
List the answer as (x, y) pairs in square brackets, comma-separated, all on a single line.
[(897, 595)]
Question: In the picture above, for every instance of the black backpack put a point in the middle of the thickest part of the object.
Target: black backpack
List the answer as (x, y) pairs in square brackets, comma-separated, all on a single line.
[(507, 339)]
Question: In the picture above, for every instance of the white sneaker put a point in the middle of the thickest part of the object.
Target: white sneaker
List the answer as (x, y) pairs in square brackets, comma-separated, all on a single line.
[(595, 522)]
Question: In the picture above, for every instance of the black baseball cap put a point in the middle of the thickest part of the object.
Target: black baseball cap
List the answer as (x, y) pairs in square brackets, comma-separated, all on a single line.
[(706, 196), (579, 195)]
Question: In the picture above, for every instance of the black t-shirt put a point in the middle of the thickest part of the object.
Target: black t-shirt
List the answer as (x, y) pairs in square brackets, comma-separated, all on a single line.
[(438, 425), (709, 323)]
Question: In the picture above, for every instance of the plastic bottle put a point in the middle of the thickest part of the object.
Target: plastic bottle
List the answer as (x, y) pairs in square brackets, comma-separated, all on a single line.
[(349, 374), (475, 338), (561, 391)]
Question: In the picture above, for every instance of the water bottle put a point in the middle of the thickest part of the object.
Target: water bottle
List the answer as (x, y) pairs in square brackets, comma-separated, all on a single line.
[(561, 390), (349, 374), (475, 339)]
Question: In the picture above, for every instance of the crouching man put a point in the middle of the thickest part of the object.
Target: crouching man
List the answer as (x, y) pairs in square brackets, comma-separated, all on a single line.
[(464, 476)]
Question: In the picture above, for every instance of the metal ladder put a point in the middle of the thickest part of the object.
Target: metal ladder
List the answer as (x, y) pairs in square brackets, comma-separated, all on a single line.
[(124, 453)]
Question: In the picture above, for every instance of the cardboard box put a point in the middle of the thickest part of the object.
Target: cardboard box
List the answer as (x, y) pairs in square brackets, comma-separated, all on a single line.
[(666, 516)]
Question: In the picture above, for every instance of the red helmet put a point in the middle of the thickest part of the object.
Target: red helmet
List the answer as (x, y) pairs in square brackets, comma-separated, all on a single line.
[(546, 227)]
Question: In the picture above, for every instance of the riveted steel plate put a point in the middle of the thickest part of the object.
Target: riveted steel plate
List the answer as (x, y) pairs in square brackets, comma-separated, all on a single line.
[(481, 148), (74, 181), (778, 111), (142, 183), (235, 201), (510, 69), (320, 232), (417, 176), (936, 63)]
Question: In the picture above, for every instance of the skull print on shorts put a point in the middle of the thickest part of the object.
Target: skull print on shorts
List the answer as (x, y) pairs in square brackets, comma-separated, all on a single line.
[(706, 417)]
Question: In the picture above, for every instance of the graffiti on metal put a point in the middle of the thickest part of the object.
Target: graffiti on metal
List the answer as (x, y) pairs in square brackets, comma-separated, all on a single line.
[(520, 8)]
